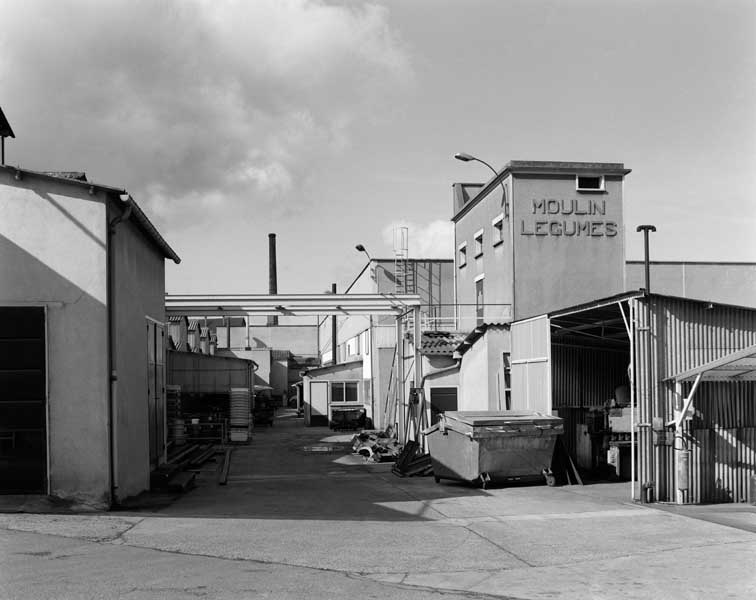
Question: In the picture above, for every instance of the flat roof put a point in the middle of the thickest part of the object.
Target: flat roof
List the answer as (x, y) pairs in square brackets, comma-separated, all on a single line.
[(542, 167)]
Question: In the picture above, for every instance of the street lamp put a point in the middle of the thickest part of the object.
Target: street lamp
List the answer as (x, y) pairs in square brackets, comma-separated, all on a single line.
[(361, 248), (464, 157)]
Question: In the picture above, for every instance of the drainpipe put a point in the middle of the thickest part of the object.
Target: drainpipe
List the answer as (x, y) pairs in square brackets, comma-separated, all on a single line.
[(333, 331), (112, 348)]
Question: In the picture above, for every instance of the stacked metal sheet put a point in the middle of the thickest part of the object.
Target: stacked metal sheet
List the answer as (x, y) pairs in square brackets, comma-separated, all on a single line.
[(239, 411)]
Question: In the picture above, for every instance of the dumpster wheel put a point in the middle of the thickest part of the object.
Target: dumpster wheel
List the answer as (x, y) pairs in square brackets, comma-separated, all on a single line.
[(483, 480), (549, 477)]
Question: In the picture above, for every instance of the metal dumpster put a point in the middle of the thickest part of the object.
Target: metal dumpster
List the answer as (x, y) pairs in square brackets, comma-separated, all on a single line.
[(482, 446)]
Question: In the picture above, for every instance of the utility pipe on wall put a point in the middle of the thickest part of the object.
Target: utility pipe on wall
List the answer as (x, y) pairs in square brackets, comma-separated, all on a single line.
[(112, 349)]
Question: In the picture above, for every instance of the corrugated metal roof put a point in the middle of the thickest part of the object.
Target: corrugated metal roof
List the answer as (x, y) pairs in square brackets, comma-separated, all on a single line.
[(441, 342), (736, 366), (75, 175)]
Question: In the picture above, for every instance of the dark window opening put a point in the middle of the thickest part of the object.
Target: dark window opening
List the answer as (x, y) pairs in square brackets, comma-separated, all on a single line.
[(590, 182), (344, 391), (441, 400)]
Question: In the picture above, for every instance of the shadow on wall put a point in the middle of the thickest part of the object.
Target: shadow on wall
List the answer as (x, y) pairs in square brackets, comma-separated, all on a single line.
[(76, 351)]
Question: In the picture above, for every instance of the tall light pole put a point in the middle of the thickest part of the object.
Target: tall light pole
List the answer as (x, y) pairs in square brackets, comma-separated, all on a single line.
[(649, 408), (464, 157), (646, 262), (361, 248)]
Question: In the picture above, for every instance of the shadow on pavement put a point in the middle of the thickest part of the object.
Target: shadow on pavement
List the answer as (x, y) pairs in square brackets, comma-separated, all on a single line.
[(289, 471)]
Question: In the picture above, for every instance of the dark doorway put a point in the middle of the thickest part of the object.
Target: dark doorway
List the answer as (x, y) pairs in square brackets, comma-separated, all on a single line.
[(442, 399), (23, 432)]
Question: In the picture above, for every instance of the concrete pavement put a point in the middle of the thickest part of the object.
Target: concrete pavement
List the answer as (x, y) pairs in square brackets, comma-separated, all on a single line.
[(301, 517)]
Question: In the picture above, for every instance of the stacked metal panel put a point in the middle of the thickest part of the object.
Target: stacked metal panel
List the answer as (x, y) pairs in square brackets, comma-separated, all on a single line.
[(239, 414)]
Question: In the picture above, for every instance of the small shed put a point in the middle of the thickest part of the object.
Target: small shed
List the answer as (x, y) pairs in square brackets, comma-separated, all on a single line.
[(332, 389)]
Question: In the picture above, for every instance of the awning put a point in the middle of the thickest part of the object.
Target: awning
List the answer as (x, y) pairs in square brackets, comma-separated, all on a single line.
[(736, 366)]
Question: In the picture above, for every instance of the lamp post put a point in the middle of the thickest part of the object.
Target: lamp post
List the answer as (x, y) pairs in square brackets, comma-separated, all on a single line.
[(361, 248), (464, 157), (648, 408), (646, 229)]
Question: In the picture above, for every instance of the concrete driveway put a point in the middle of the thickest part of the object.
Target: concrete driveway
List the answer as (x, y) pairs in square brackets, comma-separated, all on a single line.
[(302, 517)]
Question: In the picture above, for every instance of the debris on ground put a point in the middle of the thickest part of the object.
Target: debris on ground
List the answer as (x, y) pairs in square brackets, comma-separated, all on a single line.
[(412, 462), (377, 445)]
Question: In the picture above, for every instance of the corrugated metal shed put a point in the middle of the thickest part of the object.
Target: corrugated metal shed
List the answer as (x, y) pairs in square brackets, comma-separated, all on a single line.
[(676, 336), (671, 341)]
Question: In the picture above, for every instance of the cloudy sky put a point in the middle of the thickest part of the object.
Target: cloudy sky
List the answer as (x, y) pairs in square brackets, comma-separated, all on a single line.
[(330, 123)]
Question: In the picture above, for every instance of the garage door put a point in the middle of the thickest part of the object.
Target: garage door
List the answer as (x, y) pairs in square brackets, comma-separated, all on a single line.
[(531, 365), (23, 434)]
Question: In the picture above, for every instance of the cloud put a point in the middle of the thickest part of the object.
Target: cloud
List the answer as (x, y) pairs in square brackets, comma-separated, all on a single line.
[(430, 240), (197, 100)]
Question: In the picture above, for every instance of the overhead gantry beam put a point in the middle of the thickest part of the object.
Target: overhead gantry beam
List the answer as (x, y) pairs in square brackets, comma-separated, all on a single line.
[(297, 305)]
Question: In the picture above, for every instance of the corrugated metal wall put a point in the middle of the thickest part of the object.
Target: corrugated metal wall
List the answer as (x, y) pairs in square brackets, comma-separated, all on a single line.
[(722, 463), (531, 368), (586, 376), (673, 336), (204, 374)]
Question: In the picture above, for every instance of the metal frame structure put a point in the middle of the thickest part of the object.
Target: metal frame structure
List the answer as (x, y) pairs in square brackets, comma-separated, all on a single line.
[(307, 305)]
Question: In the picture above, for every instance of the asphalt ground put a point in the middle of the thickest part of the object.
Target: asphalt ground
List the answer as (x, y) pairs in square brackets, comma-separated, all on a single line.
[(303, 517)]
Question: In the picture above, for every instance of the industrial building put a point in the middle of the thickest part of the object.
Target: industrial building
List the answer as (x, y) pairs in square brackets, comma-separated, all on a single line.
[(371, 341), (82, 366)]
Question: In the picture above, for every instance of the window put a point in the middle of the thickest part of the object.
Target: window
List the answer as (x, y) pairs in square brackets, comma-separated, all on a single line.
[(462, 255), (344, 391), (479, 304), (479, 243), (498, 230), (589, 183), (507, 371)]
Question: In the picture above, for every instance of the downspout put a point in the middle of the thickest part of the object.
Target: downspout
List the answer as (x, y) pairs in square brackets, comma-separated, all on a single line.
[(112, 347), (457, 365)]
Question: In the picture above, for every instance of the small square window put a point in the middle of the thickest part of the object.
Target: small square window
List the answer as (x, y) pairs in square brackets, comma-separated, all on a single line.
[(589, 183), (479, 243), (498, 230), (462, 255)]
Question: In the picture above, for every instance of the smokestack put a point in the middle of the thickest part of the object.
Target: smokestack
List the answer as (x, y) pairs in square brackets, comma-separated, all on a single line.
[(272, 276)]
